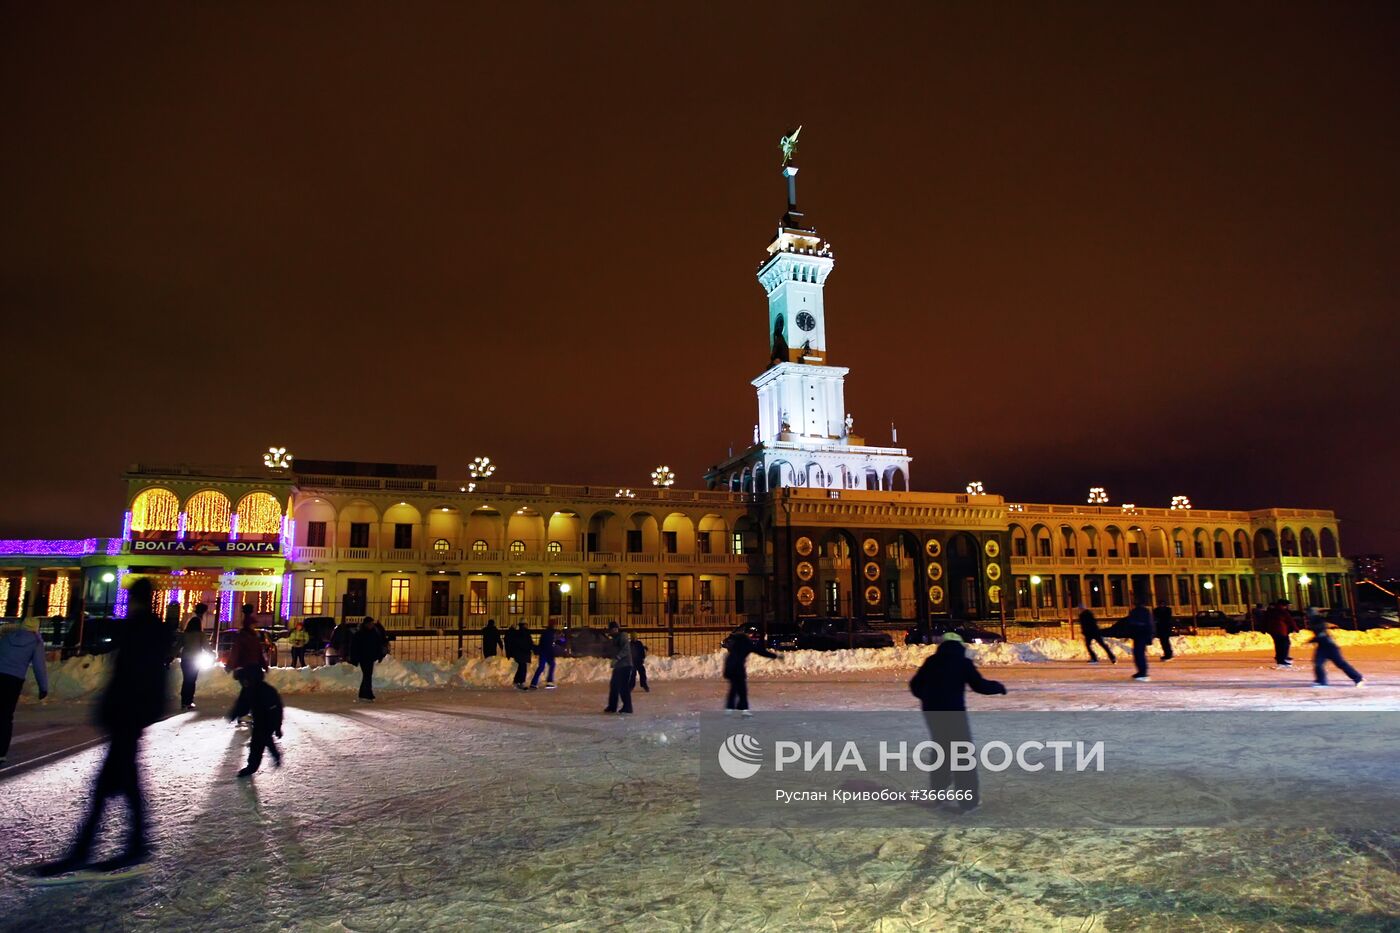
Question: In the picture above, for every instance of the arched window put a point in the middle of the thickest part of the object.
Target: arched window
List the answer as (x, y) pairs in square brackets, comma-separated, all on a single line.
[(479, 546), (517, 547), (259, 513), (554, 547), (208, 512), (441, 546), (155, 510)]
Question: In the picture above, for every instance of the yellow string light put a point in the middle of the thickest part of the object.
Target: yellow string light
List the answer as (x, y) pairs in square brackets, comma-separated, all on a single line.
[(4, 593), (208, 512), (155, 510), (259, 514), (58, 597)]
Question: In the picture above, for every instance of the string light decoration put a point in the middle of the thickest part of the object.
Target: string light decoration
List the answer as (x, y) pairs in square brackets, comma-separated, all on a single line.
[(19, 600), (1180, 503), (208, 512), (155, 510), (481, 468), (975, 488), (277, 458), (663, 477), (1097, 495), (4, 594), (624, 494), (59, 595), (259, 513)]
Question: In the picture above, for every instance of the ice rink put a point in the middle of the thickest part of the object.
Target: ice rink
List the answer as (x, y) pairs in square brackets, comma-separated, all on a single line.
[(486, 808)]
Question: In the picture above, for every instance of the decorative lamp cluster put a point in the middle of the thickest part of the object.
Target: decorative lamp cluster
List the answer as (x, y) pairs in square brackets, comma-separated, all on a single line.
[(1097, 495), (481, 468), (663, 477), (975, 488), (624, 494), (277, 458), (1180, 503)]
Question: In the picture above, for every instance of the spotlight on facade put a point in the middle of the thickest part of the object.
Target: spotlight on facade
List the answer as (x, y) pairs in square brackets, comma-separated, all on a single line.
[(1304, 579), (1207, 585), (1097, 495), (1035, 580), (481, 468), (1180, 503), (975, 488), (1129, 508), (277, 458), (1015, 507), (109, 577), (663, 477)]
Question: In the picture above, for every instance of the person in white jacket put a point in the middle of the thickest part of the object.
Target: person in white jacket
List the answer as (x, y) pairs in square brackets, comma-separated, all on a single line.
[(21, 646)]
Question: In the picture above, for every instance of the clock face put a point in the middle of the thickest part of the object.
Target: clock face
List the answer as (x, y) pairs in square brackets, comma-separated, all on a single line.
[(806, 321)]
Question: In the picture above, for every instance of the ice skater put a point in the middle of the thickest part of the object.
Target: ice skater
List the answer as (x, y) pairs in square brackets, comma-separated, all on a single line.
[(1327, 650), (192, 648), (549, 641), (21, 646), (738, 647), (261, 701), (1278, 622), (134, 698), (620, 686), (639, 664), (247, 654), (1141, 629), (941, 685), (1162, 619), (518, 649), (367, 648), (1089, 626)]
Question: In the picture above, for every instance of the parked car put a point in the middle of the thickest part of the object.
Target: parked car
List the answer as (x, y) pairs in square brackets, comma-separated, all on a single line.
[(318, 631), (835, 634), (99, 636), (781, 636), (968, 633)]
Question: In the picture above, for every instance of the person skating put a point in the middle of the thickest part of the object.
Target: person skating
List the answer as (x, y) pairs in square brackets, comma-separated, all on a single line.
[(338, 648), (1089, 626), (192, 647), (639, 664), (21, 646), (519, 647), (490, 639), (1326, 650), (620, 687), (941, 684), (247, 654), (549, 643), (133, 699), (1140, 629), (297, 639), (261, 701), (1278, 623), (173, 630), (1163, 620), (367, 649), (738, 647)]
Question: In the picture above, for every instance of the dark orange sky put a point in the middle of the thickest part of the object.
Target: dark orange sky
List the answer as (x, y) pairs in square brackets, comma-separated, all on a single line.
[(1150, 249)]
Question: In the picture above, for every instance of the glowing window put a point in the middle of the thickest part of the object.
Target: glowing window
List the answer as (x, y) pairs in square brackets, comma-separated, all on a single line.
[(259, 513), (209, 512), (517, 547), (441, 546), (554, 547), (313, 595), (155, 510), (398, 597), (480, 547)]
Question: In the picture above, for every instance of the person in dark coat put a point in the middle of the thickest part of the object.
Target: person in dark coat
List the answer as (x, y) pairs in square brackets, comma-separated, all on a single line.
[(134, 698), (738, 647), (261, 701), (172, 628), (1163, 621), (192, 647), (1140, 629), (490, 639), (549, 644), (519, 647), (639, 664), (1278, 624), (1327, 650), (941, 684), (366, 650), (1089, 626), (247, 651), (21, 647), (338, 648), (620, 687)]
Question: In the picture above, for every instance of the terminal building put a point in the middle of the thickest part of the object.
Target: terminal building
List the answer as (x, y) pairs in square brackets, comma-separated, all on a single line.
[(809, 521)]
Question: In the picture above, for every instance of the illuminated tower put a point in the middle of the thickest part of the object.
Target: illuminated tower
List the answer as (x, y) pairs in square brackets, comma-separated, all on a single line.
[(804, 435)]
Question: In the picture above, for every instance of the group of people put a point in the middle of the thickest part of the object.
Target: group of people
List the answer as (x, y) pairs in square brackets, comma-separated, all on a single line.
[(1142, 625)]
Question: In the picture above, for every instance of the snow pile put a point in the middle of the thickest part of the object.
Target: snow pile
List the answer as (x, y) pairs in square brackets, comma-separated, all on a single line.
[(79, 677)]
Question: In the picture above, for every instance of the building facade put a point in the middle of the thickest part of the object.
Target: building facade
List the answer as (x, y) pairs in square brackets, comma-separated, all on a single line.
[(808, 521)]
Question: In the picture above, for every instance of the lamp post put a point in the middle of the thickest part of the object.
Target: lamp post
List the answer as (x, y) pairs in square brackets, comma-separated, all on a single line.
[(568, 603), (1304, 581), (107, 579), (1208, 585), (1035, 599)]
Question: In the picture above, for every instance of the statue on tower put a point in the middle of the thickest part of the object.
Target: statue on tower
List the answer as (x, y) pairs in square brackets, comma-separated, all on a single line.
[(789, 145)]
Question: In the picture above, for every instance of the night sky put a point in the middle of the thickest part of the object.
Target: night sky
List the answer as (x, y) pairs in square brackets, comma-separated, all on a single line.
[(1151, 249)]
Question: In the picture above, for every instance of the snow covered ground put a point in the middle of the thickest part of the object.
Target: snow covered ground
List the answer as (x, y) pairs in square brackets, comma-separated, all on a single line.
[(471, 807)]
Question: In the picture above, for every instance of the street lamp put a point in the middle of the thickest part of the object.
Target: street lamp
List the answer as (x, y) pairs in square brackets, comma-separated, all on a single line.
[(1098, 495), (663, 477), (1035, 599), (568, 603), (481, 468), (975, 488), (1208, 585), (1304, 581)]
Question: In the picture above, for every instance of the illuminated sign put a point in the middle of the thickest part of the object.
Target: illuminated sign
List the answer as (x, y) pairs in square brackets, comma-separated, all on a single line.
[(206, 547)]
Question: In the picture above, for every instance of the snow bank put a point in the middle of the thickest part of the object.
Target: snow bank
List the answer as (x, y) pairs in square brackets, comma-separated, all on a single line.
[(79, 677)]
